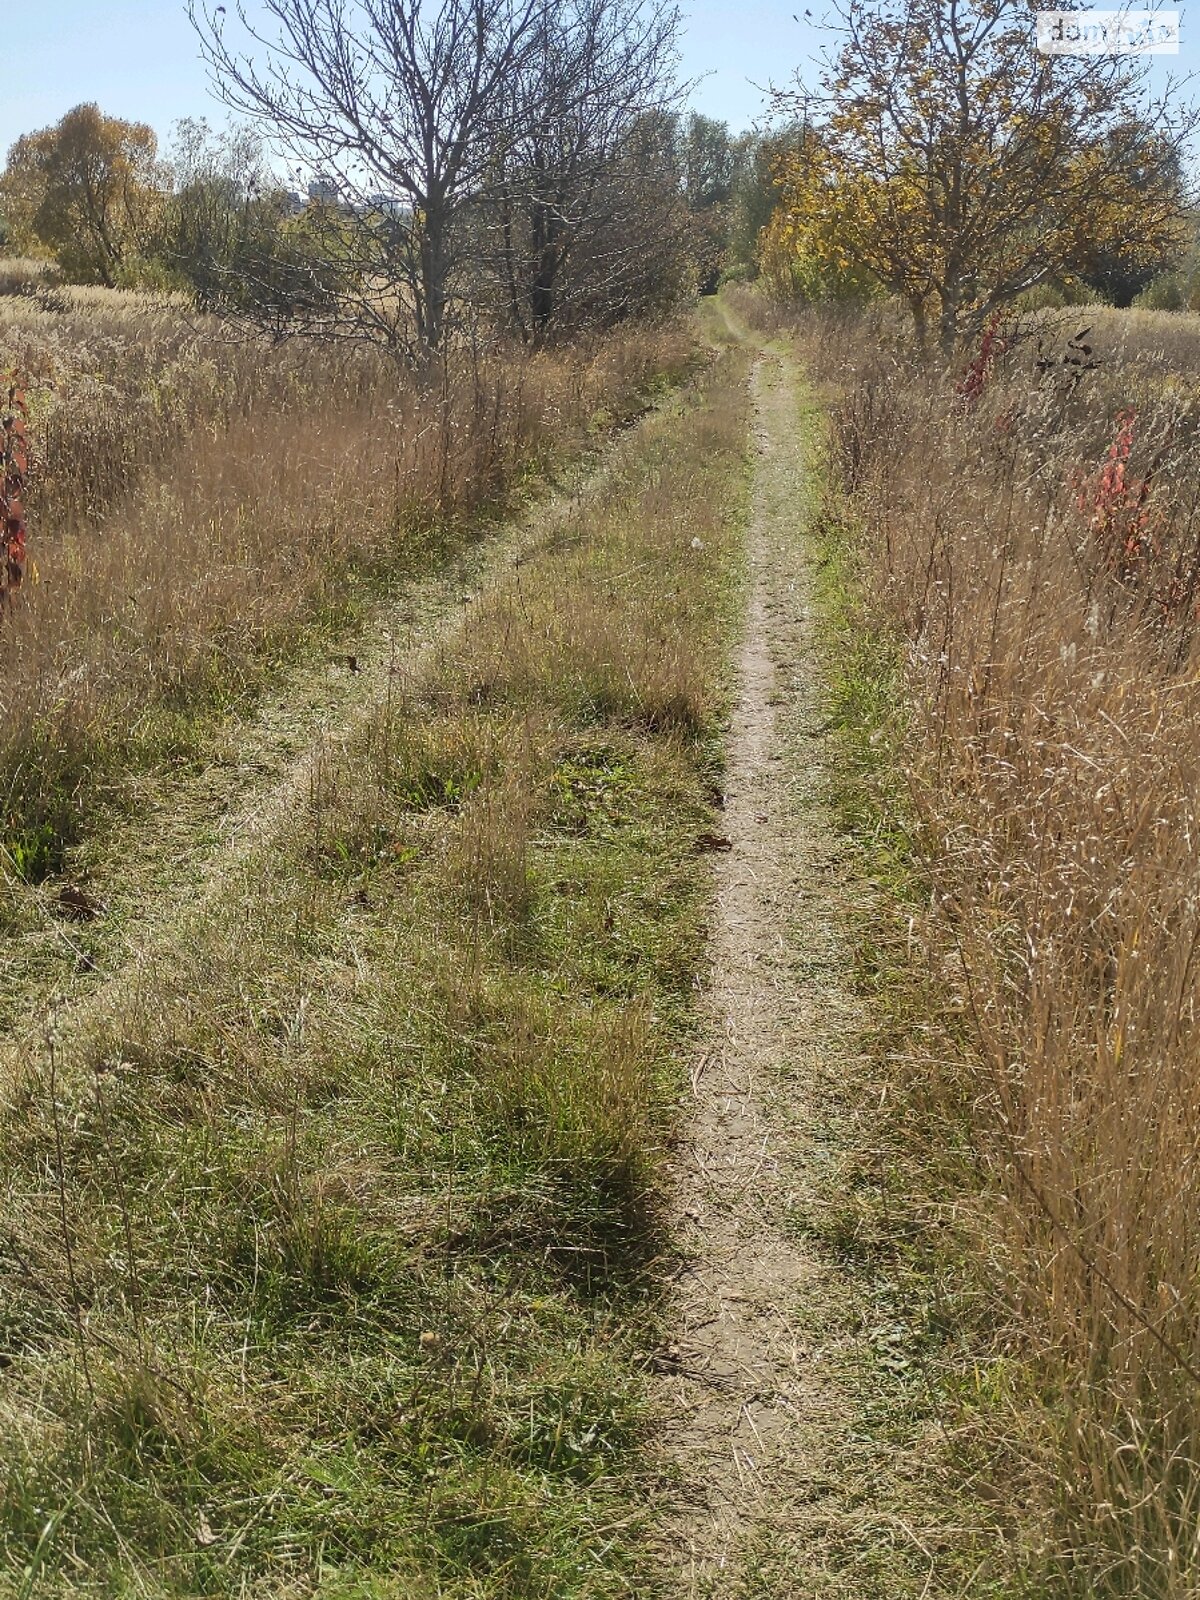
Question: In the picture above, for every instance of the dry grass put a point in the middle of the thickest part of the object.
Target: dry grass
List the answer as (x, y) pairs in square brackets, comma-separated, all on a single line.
[(327, 1258), (1050, 733), (27, 275), (199, 504)]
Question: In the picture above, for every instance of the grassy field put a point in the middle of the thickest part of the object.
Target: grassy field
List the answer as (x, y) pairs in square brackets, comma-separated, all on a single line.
[(1019, 703), (336, 1165), (327, 1247), (202, 507)]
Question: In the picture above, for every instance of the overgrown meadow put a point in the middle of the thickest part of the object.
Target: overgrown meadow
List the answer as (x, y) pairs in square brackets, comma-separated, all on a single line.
[(203, 503)]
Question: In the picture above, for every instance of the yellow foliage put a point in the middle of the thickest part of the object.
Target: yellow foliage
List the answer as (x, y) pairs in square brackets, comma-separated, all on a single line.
[(88, 190), (959, 168)]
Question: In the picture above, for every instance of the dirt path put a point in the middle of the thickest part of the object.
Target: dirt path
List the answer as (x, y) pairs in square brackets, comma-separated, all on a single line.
[(754, 1413)]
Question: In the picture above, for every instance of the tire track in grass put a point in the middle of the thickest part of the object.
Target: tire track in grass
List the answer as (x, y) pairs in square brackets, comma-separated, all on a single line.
[(162, 869)]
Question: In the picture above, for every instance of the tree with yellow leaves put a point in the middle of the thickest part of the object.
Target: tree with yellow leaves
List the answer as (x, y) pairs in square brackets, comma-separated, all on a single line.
[(88, 190), (956, 165)]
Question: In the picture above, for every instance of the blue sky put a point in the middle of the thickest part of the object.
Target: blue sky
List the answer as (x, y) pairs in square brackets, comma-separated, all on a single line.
[(137, 59)]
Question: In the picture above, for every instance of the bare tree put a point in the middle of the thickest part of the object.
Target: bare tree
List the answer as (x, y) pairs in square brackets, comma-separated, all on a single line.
[(587, 180), (396, 105)]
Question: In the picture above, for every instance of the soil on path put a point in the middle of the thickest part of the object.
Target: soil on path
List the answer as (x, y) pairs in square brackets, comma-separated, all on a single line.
[(755, 1418)]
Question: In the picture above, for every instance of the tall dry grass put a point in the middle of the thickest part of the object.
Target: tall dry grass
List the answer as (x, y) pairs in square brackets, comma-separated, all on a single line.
[(1051, 740), (197, 503)]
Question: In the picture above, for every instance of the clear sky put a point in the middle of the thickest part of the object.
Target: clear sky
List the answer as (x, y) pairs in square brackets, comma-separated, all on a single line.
[(137, 59)]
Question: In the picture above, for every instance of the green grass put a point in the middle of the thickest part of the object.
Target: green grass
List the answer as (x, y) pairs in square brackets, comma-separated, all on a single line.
[(328, 1250)]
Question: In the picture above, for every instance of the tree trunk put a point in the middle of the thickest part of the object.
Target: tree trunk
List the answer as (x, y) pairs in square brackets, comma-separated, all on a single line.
[(516, 308), (920, 326), (431, 312), (544, 262), (948, 326)]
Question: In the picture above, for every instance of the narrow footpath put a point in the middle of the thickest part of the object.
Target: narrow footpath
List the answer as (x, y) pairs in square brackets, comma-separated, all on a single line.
[(759, 1427)]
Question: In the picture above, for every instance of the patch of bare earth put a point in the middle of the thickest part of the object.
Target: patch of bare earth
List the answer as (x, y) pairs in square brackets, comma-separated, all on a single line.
[(756, 1421)]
